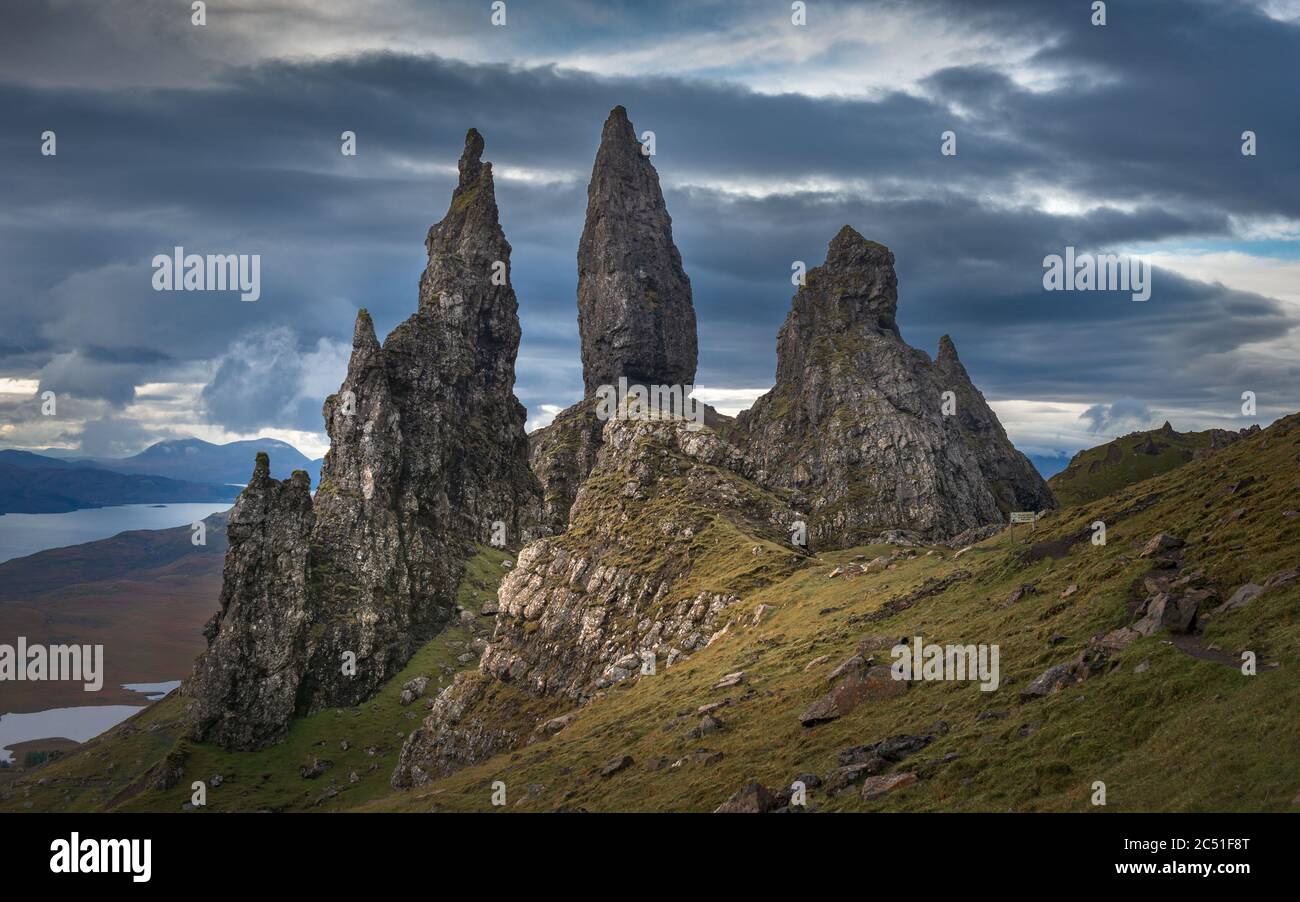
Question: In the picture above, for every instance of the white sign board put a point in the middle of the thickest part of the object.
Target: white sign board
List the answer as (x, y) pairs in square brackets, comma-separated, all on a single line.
[(1022, 516)]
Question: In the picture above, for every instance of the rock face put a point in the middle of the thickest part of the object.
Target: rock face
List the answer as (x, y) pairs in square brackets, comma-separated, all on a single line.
[(634, 300), (635, 314), (562, 454), (857, 424), (428, 456), (245, 688), (587, 609)]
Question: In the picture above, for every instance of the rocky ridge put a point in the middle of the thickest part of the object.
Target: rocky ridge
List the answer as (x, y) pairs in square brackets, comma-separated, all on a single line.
[(857, 424), (428, 456)]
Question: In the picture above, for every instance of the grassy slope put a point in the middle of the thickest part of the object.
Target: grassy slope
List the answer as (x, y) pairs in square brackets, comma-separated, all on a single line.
[(1105, 469), (1186, 734), (268, 779)]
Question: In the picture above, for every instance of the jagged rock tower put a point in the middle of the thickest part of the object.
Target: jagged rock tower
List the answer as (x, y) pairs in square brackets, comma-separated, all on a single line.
[(856, 421), (324, 602), (635, 314)]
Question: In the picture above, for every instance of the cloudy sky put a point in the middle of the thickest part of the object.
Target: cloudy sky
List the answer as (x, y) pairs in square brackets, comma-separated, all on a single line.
[(224, 138)]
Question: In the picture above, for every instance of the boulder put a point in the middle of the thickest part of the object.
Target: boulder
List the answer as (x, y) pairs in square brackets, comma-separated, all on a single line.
[(875, 787), (752, 798)]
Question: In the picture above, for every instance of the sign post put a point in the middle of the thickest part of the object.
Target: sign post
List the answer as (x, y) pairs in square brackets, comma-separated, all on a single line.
[(1022, 517)]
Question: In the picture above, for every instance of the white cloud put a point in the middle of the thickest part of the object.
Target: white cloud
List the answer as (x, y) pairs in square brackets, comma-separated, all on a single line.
[(728, 401), (23, 387)]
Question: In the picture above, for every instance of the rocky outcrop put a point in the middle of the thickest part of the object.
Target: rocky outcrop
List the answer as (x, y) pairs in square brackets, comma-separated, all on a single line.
[(1013, 481), (562, 454), (635, 314), (583, 611), (428, 456), (245, 685), (857, 421), (634, 300), (587, 609)]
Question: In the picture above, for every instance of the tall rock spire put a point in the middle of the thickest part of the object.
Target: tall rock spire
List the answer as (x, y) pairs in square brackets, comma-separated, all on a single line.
[(428, 456), (635, 313)]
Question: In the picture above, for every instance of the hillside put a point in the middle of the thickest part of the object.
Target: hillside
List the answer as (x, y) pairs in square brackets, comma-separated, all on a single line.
[(1167, 721), (1107, 468), (144, 595)]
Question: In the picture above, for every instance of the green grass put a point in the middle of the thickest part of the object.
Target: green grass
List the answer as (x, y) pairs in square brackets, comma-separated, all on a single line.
[(1186, 734), (1104, 470), (267, 779)]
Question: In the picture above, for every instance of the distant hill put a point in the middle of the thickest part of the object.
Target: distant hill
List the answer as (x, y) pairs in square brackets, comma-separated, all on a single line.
[(118, 557), (200, 461), (30, 459), (191, 460), (1107, 468), (1048, 466), (28, 489), (143, 594)]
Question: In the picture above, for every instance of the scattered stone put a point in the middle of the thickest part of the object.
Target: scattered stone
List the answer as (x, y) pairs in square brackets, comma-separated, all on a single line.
[(731, 679), (1281, 578), (1160, 543), (816, 662), (623, 762), (875, 787), (1091, 660), (1143, 667), (1020, 592), (752, 798), (317, 767), (890, 750), (1243, 596), (858, 685), (1070, 590), (414, 689)]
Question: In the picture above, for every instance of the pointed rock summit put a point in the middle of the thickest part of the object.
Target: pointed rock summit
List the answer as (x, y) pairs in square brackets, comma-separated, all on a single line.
[(857, 422), (635, 313), (325, 600), (634, 300)]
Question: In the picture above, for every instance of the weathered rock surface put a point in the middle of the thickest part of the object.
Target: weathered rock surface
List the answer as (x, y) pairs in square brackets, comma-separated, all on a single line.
[(752, 798), (859, 681), (587, 609), (635, 314), (464, 734), (562, 455), (581, 612), (428, 452), (855, 422), (245, 685)]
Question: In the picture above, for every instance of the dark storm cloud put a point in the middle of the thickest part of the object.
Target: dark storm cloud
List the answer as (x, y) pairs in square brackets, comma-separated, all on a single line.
[(1144, 114)]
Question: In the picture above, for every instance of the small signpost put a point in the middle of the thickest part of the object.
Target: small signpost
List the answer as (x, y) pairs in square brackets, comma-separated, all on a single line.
[(1022, 517)]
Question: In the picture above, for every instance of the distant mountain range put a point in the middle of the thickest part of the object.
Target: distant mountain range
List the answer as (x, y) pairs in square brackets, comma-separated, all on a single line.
[(182, 470)]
